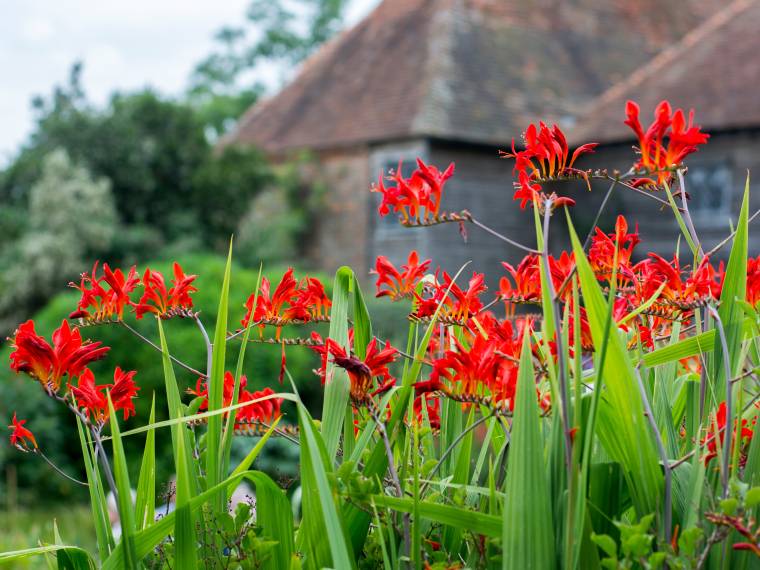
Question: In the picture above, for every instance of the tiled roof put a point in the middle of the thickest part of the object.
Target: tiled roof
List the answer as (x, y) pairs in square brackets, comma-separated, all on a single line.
[(469, 70), (715, 69)]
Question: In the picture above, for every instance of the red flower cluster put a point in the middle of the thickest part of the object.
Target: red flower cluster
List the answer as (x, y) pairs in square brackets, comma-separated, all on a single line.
[(527, 278), (291, 302), (361, 373), (68, 355), (417, 197), (545, 157), (458, 305), (166, 303), (605, 248), (21, 437), (93, 399), (753, 280), (432, 407), (104, 298), (399, 284), (483, 365), (264, 411), (718, 426), (655, 156), (100, 303)]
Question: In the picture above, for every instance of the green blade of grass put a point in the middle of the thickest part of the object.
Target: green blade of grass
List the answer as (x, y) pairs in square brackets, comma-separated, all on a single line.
[(145, 500), (123, 492), (216, 387), (323, 522), (229, 428), (730, 311), (103, 532), (83, 558), (455, 517), (185, 542), (527, 535), (335, 405)]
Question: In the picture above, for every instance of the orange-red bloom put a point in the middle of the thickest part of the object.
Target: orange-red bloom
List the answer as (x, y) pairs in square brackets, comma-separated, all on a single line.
[(98, 303), (753, 280), (399, 284), (166, 303), (432, 407), (264, 411), (69, 355), (546, 156), (417, 197), (458, 305), (362, 372), (291, 301), (603, 250), (527, 281), (93, 400), (21, 437), (654, 156), (485, 366), (718, 426)]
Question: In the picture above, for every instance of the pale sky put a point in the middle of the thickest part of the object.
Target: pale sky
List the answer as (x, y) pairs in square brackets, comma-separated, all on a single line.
[(124, 45)]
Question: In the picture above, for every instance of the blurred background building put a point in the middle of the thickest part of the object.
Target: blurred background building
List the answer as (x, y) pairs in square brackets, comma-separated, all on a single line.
[(457, 80)]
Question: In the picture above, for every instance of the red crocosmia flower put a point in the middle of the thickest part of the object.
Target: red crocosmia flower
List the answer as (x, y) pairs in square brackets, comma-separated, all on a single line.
[(49, 364), (98, 303), (753, 280), (546, 157), (362, 372), (166, 303), (291, 301), (399, 284), (466, 302), (683, 138), (473, 369), (21, 437), (526, 191), (417, 197), (93, 399), (264, 411), (433, 408), (527, 281), (560, 269), (718, 426), (703, 283), (458, 305), (603, 249), (123, 391)]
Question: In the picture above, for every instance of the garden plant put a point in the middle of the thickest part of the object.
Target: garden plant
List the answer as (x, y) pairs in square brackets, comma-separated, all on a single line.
[(596, 411)]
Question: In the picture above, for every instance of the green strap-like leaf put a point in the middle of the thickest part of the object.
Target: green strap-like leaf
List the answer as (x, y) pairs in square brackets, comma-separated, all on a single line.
[(528, 536), (145, 500), (216, 387), (124, 492)]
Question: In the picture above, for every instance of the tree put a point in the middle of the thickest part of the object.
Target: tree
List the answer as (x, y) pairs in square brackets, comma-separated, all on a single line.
[(71, 219), (277, 34)]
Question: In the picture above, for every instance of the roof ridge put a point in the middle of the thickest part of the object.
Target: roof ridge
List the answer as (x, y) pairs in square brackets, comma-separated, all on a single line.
[(709, 26), (311, 61)]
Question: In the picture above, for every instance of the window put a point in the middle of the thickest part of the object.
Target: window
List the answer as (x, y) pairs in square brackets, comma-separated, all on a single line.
[(390, 222), (709, 187)]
